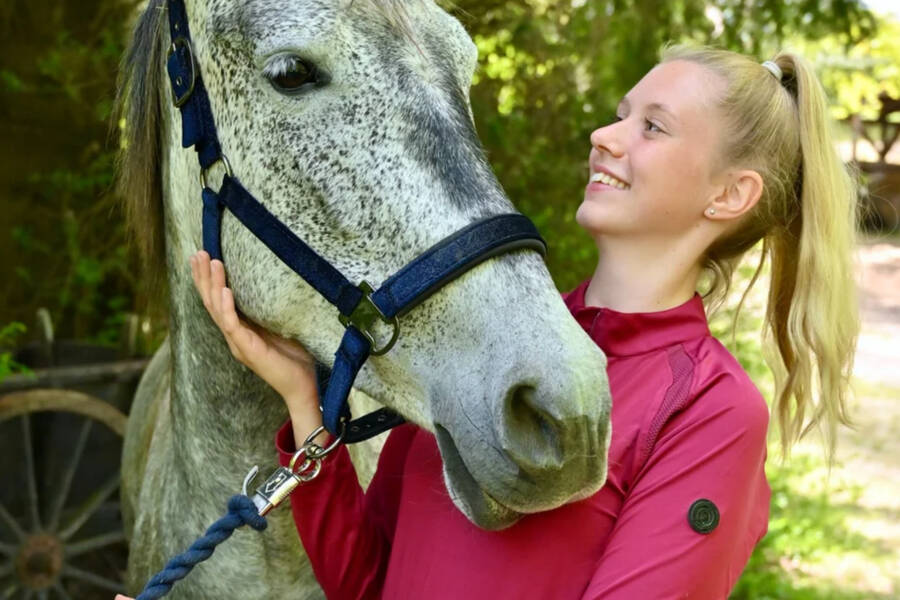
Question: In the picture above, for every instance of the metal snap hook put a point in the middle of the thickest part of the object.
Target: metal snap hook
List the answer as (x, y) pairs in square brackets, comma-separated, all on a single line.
[(248, 479)]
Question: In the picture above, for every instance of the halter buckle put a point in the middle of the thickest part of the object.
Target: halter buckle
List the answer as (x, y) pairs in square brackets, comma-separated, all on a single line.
[(364, 316), (177, 78)]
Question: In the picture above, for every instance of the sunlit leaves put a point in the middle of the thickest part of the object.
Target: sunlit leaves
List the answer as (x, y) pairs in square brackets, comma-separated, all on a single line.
[(552, 71)]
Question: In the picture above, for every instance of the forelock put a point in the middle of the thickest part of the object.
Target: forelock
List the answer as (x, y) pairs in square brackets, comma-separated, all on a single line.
[(395, 13)]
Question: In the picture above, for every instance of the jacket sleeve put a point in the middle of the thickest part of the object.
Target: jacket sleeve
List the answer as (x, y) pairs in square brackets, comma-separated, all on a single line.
[(346, 533), (712, 451)]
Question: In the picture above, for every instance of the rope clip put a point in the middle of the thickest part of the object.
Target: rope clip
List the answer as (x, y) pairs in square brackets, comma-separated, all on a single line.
[(284, 480)]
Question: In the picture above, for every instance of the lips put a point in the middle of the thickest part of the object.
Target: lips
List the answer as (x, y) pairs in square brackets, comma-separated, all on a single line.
[(606, 176), (608, 181), (467, 493)]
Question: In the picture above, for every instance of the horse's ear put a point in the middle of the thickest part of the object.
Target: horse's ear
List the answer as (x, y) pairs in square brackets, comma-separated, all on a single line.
[(136, 121)]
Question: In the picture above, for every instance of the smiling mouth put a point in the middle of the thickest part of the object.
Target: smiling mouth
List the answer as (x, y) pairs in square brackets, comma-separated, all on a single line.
[(609, 180)]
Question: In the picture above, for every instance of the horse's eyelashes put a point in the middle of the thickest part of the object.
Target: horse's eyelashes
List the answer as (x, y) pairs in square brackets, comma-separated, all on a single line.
[(292, 74), (300, 74)]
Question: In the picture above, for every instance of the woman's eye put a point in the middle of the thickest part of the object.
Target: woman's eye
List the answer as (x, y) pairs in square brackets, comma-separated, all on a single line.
[(291, 75), (651, 124)]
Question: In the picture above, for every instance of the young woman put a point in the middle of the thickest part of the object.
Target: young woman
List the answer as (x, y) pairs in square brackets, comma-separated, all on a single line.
[(710, 153)]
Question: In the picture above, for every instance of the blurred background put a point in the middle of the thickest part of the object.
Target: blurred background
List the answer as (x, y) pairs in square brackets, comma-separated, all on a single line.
[(73, 316)]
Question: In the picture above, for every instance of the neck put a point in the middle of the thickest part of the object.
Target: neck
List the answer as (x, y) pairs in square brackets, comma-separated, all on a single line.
[(216, 401), (642, 275), (219, 408)]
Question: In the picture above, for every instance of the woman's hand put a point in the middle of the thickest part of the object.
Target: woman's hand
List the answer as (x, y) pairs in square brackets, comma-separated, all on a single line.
[(284, 364)]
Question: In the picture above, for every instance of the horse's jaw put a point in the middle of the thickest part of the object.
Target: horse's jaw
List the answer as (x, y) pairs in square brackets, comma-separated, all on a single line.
[(476, 494), (468, 496)]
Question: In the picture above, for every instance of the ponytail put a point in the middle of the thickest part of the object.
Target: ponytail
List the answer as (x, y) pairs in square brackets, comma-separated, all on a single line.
[(812, 312), (806, 218)]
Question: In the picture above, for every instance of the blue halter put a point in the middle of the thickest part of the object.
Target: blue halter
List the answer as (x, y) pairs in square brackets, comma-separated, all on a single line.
[(360, 306)]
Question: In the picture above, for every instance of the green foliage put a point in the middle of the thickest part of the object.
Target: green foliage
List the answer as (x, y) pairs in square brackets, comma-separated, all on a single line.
[(65, 241), (805, 526), (855, 75), (9, 335), (11, 81)]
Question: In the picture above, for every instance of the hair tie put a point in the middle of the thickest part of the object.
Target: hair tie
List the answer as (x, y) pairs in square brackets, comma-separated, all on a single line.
[(773, 68)]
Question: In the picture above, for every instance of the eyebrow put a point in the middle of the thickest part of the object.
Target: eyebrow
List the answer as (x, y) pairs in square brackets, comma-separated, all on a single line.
[(652, 106)]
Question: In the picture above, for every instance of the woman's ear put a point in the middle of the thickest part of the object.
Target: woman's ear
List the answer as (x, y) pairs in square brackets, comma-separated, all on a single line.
[(741, 192)]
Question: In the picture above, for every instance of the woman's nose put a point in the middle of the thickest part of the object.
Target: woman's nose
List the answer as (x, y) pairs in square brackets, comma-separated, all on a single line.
[(606, 139)]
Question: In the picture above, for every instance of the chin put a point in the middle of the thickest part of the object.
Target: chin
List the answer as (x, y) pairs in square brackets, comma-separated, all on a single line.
[(590, 218), (600, 219), (476, 504), (467, 494)]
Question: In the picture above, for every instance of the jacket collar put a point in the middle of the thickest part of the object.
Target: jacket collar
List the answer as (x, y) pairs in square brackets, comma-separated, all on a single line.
[(625, 334)]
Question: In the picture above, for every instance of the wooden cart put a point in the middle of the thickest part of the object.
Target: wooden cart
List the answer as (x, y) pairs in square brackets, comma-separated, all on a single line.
[(880, 194), (61, 429)]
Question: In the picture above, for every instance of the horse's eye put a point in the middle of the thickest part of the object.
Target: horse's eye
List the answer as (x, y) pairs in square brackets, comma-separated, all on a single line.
[(291, 74)]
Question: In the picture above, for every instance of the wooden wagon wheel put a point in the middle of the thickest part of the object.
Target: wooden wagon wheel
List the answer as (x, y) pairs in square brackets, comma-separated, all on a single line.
[(49, 536)]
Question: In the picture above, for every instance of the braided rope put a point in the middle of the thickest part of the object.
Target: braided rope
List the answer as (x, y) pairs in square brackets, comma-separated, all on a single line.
[(241, 511)]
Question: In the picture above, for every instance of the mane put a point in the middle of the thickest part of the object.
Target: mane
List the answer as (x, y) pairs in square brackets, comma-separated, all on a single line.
[(138, 116)]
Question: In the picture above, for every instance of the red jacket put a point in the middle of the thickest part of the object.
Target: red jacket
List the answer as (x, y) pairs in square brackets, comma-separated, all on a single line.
[(685, 501)]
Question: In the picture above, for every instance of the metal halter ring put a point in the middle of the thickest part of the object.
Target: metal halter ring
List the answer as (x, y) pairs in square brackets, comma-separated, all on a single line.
[(203, 172), (313, 450), (364, 316)]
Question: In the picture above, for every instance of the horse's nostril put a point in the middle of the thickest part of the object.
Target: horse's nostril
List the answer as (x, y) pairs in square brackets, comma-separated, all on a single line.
[(532, 433)]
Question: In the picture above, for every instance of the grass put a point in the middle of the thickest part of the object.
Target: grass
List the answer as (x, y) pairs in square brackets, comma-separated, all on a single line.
[(834, 536)]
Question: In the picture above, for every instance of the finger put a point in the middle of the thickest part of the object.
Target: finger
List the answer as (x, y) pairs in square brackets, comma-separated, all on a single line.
[(217, 271), (242, 340), (231, 323), (211, 293), (195, 274), (247, 345), (203, 277)]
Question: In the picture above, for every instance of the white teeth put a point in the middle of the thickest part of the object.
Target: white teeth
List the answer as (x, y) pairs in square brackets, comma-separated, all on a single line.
[(608, 180)]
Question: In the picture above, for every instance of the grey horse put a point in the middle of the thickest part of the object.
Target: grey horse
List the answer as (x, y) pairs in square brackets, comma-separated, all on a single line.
[(350, 120)]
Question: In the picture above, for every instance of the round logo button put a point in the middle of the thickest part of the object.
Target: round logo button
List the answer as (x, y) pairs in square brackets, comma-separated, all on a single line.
[(703, 516)]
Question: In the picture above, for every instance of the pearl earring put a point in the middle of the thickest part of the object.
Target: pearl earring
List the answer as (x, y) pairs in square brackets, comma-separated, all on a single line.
[(711, 211)]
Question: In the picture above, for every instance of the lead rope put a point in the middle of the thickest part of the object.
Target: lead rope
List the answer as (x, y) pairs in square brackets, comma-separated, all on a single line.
[(244, 510), (241, 511)]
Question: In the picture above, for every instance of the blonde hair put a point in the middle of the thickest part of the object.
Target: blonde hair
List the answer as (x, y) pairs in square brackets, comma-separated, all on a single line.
[(806, 218)]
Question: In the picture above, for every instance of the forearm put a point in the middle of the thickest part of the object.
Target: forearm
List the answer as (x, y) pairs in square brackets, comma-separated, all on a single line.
[(305, 418)]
